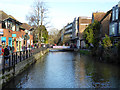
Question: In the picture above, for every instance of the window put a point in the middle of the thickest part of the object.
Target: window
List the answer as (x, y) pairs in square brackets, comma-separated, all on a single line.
[(119, 28), (113, 14), (6, 24), (3, 25), (112, 29), (17, 27), (31, 33), (116, 13), (13, 27)]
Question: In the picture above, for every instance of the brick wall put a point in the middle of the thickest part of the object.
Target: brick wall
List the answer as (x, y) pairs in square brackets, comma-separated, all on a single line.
[(83, 23), (105, 26)]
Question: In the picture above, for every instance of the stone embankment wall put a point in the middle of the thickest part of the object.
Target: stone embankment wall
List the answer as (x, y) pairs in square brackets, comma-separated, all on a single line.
[(20, 67)]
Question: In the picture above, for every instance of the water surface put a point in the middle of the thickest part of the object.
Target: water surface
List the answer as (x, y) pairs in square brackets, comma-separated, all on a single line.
[(68, 70)]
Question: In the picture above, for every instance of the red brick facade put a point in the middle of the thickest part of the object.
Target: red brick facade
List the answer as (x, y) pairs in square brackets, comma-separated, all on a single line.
[(12, 33)]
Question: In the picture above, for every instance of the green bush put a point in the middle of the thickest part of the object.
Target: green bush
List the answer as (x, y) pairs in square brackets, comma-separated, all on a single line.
[(107, 42)]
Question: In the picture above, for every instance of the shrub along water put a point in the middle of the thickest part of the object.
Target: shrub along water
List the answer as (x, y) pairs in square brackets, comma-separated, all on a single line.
[(101, 48)]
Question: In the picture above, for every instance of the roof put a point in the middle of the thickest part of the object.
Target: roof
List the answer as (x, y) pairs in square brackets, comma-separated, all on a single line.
[(26, 26), (4, 16), (98, 15), (84, 20), (85, 17), (109, 12)]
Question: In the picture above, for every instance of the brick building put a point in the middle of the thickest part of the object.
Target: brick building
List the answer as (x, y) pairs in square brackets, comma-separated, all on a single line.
[(104, 19), (97, 16), (83, 22), (115, 23), (104, 24), (11, 32)]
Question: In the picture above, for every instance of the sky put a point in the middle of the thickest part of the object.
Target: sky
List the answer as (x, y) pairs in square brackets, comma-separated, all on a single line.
[(60, 12)]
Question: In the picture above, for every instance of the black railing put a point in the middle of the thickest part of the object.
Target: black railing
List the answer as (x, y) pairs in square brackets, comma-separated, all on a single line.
[(16, 57)]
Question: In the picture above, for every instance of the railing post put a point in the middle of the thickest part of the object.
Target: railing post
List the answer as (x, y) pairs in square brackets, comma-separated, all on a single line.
[(20, 56), (12, 59), (23, 54), (3, 65), (16, 58), (26, 53), (13, 64), (29, 52), (9, 61)]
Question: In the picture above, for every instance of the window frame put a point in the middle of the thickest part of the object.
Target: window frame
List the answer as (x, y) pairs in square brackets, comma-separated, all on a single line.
[(113, 14), (116, 13), (112, 29)]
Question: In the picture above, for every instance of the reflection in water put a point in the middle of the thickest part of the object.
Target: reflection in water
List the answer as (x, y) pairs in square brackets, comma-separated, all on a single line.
[(68, 70)]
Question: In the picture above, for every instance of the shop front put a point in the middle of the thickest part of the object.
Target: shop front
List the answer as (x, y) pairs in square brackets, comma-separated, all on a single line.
[(1, 34), (10, 42), (3, 40)]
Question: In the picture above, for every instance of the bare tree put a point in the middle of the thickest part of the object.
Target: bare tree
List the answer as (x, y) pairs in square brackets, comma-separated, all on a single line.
[(53, 36), (37, 16)]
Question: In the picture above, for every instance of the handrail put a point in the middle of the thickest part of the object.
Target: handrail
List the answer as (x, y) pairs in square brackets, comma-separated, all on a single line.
[(17, 57)]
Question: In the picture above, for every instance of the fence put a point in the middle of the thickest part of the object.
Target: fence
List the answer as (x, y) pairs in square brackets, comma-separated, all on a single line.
[(17, 57)]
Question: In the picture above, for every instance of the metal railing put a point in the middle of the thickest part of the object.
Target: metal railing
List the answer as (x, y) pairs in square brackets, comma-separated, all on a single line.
[(17, 57)]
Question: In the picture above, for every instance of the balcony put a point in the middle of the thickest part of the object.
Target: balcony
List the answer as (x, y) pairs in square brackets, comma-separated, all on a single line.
[(68, 32)]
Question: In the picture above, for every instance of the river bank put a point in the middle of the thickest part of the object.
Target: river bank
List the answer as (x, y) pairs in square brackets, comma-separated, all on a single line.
[(101, 57), (18, 68)]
